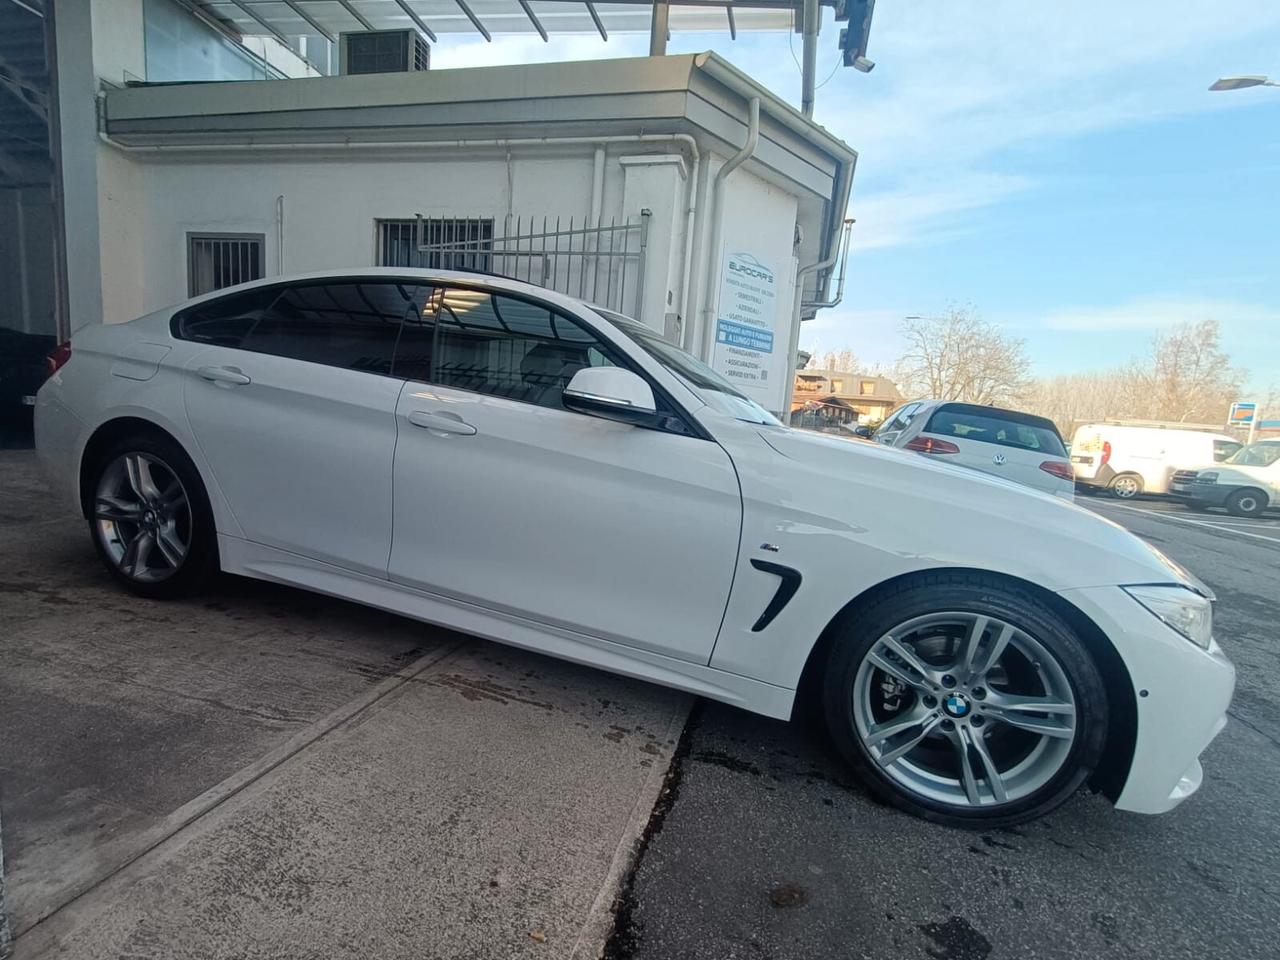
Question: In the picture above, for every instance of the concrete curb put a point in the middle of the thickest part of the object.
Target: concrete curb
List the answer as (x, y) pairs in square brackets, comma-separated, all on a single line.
[(218, 794), (598, 925)]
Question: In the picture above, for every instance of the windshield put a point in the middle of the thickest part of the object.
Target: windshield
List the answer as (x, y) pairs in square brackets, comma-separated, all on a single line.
[(713, 389), (1262, 454)]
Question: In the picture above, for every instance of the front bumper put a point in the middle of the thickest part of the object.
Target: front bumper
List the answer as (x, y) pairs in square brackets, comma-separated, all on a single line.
[(1181, 691), (1203, 494)]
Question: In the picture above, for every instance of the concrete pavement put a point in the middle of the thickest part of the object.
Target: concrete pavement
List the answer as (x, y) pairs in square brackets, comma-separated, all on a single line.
[(770, 849), (263, 772)]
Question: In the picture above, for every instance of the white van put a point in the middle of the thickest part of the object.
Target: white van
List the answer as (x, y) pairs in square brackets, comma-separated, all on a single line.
[(1128, 460)]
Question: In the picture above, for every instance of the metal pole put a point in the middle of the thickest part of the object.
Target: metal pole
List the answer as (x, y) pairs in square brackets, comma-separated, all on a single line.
[(658, 29), (810, 57)]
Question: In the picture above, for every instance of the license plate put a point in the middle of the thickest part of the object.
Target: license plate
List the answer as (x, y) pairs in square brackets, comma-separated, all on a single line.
[(29, 401), (1082, 459)]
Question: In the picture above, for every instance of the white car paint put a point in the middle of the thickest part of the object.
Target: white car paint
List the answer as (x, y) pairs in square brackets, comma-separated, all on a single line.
[(623, 548)]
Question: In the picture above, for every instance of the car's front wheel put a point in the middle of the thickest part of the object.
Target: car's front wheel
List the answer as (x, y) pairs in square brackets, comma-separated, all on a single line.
[(1246, 503), (149, 517), (966, 700)]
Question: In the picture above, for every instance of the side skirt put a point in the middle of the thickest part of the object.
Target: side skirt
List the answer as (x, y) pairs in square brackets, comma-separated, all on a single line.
[(248, 559)]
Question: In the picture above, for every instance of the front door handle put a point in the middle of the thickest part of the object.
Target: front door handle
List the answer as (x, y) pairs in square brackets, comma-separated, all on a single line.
[(442, 423), (227, 375)]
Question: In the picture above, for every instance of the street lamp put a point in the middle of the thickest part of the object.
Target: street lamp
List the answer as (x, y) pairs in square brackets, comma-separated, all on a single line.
[(1239, 83)]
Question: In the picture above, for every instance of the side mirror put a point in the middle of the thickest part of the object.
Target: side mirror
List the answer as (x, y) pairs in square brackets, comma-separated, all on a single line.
[(611, 393), (863, 431)]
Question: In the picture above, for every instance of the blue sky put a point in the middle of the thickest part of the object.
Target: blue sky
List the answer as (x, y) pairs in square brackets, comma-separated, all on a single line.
[(1060, 166)]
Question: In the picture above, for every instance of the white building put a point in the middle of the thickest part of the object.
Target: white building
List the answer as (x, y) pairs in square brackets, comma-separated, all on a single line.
[(672, 188)]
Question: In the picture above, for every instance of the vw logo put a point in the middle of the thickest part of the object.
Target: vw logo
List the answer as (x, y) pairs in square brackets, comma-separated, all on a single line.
[(998, 459), (956, 705)]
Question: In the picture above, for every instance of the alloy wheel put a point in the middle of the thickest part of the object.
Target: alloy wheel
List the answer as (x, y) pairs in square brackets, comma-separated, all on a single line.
[(964, 709), (142, 516), (1126, 487)]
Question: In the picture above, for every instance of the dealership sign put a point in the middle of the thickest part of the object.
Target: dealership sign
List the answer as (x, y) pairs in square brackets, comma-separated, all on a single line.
[(1242, 414), (750, 348)]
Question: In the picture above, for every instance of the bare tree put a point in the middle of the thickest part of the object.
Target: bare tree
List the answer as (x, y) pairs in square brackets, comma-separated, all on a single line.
[(960, 356), (1188, 377), (843, 361)]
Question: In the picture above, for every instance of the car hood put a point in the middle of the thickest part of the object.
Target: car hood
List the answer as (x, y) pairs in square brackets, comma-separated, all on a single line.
[(954, 516)]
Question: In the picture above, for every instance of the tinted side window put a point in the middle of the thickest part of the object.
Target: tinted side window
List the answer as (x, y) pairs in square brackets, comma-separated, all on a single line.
[(1223, 449), (898, 420), (225, 321), (351, 324), (507, 347)]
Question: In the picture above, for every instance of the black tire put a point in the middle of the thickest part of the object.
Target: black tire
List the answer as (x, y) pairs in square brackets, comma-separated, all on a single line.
[(201, 558), (862, 629), (1246, 503), (1125, 486)]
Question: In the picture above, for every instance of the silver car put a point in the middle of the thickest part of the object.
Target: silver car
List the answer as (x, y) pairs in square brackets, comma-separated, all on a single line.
[(1005, 443)]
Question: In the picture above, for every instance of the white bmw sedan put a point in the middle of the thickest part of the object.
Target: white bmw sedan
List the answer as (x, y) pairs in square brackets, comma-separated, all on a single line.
[(500, 459)]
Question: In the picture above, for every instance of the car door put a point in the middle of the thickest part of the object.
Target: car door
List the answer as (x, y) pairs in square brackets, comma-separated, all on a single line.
[(506, 500), (293, 406)]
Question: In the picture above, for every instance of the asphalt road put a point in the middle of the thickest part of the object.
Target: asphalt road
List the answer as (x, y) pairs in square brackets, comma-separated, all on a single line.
[(765, 848)]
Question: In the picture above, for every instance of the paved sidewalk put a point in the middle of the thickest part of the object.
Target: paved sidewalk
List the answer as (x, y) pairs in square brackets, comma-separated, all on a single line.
[(267, 773)]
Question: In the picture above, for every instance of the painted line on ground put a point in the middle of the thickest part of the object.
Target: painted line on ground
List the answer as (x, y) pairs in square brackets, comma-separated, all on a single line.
[(1196, 523)]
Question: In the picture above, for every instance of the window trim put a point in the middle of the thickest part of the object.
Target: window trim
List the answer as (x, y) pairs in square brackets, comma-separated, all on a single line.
[(192, 235), (693, 426)]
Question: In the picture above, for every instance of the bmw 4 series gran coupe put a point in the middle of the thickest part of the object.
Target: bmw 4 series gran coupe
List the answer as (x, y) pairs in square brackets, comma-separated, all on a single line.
[(494, 457)]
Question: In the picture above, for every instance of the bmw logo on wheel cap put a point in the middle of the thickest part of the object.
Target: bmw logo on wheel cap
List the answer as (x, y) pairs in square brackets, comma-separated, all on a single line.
[(956, 705)]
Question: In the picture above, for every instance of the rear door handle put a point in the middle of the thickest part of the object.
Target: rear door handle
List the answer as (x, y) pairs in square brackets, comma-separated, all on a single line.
[(227, 375), (442, 423)]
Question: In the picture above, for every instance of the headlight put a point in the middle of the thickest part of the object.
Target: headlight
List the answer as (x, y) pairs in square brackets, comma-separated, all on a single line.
[(1187, 612), (1209, 477)]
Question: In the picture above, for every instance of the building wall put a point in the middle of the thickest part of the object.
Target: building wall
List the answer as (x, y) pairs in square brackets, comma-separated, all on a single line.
[(149, 206), (26, 260)]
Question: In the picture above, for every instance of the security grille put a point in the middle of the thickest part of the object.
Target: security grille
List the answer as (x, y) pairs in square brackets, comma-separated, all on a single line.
[(217, 260), (452, 243), (603, 265)]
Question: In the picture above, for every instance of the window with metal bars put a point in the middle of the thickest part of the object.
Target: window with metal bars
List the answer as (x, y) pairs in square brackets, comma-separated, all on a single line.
[(452, 243), (217, 260)]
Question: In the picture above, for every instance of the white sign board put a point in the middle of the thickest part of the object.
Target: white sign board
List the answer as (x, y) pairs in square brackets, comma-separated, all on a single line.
[(751, 341)]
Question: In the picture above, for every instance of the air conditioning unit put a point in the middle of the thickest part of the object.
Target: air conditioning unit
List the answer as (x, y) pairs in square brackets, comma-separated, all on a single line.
[(383, 51)]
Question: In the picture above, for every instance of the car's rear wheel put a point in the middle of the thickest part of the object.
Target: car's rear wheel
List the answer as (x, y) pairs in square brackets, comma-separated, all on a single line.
[(1126, 486), (1246, 503), (149, 517), (966, 700)]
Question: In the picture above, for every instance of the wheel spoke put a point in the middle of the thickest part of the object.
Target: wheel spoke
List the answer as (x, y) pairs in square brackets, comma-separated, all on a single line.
[(891, 728), (960, 741), (990, 773), (886, 758), (911, 670), (134, 560), (1019, 711), (117, 509), (140, 479), (969, 650), (995, 650), (170, 544)]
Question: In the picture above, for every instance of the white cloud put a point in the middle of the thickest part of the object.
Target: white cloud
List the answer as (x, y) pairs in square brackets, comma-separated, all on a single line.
[(960, 86), (1157, 313)]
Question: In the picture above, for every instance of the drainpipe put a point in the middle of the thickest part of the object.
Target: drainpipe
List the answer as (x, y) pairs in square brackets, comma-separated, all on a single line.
[(809, 56), (844, 263), (691, 231), (717, 223), (794, 341), (280, 234)]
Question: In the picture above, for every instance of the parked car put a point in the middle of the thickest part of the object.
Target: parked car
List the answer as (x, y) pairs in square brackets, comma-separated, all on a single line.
[(497, 458), (22, 370), (1246, 483), (1004, 443), (1127, 460)]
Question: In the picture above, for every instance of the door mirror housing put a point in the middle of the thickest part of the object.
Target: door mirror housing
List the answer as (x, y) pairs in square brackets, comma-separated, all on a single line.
[(611, 393)]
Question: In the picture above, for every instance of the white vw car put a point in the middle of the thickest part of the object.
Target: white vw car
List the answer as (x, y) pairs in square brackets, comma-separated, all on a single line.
[(490, 456)]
